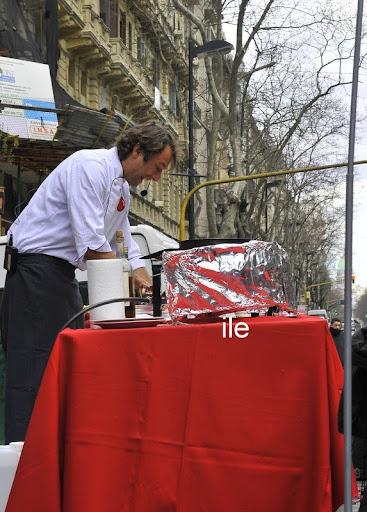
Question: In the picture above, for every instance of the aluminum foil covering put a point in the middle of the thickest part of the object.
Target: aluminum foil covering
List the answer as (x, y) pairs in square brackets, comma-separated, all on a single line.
[(218, 279)]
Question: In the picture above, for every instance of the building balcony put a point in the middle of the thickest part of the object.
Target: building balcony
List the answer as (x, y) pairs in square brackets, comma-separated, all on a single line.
[(169, 117), (90, 42), (155, 24), (131, 80), (96, 29), (70, 18), (142, 209)]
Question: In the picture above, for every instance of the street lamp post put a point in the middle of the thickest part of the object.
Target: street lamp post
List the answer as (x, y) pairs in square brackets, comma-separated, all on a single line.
[(191, 171), (208, 49)]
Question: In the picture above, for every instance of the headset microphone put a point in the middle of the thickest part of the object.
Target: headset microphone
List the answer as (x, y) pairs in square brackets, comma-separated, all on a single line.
[(144, 192)]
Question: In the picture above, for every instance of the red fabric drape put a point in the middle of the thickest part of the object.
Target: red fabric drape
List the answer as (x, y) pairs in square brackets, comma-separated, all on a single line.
[(176, 418)]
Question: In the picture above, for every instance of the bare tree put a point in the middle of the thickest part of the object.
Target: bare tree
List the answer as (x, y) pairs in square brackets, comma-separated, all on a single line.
[(268, 85), (282, 111)]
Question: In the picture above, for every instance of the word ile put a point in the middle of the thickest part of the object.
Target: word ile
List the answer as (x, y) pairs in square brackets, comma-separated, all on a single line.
[(239, 330)]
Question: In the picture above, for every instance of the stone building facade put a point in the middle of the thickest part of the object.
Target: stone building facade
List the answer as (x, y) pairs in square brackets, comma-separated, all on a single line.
[(122, 56), (130, 57)]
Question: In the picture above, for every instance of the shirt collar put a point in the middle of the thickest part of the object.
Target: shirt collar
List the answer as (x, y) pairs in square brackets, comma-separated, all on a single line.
[(119, 171)]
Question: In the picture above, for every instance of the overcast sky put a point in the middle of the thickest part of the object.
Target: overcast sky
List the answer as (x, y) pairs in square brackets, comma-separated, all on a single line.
[(360, 197), (360, 180)]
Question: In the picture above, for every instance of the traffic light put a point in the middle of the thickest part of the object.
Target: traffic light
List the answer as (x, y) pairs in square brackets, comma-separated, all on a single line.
[(353, 278)]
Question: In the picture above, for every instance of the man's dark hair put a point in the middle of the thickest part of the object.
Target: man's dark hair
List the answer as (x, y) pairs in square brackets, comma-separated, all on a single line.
[(335, 320), (151, 137)]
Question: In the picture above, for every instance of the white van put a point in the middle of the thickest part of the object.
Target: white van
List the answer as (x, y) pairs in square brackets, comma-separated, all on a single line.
[(318, 312), (149, 240)]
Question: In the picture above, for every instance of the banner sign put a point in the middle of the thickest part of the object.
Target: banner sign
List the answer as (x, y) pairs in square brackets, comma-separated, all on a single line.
[(26, 83)]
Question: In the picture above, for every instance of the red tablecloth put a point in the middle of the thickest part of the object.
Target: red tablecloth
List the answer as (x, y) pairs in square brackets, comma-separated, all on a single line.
[(178, 419)]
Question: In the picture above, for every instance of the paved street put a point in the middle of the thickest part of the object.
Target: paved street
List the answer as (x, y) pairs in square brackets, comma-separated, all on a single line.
[(355, 508)]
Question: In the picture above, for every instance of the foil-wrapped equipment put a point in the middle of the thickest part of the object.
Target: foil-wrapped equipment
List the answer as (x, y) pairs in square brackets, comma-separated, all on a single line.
[(218, 279)]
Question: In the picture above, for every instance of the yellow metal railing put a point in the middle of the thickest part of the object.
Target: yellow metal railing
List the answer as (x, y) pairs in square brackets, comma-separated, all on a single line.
[(257, 176)]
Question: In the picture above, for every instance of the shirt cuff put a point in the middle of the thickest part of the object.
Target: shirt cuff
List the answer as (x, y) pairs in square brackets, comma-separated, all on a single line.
[(103, 248), (136, 263), (81, 262)]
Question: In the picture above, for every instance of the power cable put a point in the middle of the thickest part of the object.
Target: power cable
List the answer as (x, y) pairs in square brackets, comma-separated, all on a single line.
[(136, 300)]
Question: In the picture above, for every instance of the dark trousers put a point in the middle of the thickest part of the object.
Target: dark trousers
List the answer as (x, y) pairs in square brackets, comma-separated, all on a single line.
[(363, 503), (40, 296)]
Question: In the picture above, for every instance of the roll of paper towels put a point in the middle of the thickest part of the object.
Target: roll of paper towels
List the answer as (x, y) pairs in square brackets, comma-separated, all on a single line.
[(106, 281)]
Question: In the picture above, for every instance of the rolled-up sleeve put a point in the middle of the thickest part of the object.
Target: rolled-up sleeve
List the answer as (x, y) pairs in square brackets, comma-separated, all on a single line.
[(85, 191)]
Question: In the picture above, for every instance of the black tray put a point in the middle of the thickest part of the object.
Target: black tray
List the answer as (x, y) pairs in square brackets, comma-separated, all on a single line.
[(197, 242)]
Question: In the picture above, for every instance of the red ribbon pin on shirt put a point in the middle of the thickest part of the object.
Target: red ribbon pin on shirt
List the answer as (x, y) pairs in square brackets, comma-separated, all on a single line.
[(121, 204)]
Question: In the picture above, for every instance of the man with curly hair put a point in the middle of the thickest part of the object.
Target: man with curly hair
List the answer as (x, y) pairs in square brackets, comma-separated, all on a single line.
[(72, 218)]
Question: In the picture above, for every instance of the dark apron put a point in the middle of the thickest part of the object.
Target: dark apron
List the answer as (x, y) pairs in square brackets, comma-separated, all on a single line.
[(39, 297)]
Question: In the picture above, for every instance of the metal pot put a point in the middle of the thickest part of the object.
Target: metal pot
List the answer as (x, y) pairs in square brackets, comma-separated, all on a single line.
[(183, 245)]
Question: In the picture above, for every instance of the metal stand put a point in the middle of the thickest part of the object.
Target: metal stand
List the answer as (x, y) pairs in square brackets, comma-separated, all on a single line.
[(157, 301)]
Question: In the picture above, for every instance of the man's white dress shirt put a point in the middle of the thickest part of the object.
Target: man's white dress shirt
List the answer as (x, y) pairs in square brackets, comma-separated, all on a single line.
[(75, 209)]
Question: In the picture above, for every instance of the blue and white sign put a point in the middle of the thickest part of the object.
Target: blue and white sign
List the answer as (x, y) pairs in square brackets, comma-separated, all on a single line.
[(27, 83)]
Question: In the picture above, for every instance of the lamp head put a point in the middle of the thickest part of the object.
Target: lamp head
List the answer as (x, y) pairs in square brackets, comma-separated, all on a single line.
[(211, 48)]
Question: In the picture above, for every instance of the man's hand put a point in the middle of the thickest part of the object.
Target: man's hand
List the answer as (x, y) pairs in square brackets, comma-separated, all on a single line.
[(143, 281)]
